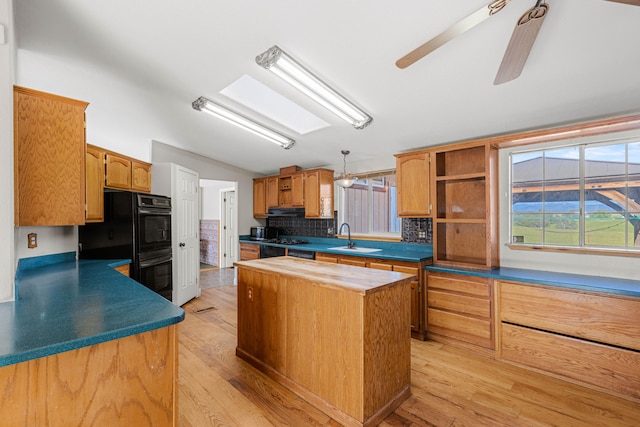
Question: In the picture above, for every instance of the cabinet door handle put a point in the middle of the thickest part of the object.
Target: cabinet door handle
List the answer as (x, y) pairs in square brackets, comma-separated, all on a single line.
[(182, 245)]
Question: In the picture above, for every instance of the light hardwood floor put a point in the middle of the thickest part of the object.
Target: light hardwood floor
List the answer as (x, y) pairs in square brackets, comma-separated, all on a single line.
[(450, 387)]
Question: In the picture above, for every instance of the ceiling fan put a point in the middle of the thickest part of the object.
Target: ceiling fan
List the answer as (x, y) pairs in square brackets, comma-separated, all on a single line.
[(522, 39)]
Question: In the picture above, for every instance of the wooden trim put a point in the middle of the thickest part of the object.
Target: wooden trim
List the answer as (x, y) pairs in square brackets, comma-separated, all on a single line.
[(50, 96), (519, 139), (577, 250)]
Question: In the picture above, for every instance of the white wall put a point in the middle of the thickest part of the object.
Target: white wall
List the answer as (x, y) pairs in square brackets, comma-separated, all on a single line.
[(596, 265), (214, 170), (210, 197), (7, 57)]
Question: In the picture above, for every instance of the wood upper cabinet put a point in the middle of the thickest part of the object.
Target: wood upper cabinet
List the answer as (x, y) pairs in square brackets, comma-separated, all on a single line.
[(412, 177), (318, 193), (140, 176), (95, 184), (118, 171), (49, 159), (259, 197), (105, 169), (272, 191), (297, 189)]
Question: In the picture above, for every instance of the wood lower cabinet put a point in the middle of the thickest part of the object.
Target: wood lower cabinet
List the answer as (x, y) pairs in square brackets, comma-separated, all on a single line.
[(130, 381), (249, 251), (460, 311), (418, 302), (585, 337), (49, 159), (337, 345), (123, 269)]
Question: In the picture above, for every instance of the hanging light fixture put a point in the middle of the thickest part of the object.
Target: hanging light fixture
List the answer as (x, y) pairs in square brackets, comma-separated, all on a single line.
[(345, 179)]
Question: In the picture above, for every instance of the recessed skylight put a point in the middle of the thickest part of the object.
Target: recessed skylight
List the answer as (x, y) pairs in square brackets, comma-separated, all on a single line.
[(266, 101)]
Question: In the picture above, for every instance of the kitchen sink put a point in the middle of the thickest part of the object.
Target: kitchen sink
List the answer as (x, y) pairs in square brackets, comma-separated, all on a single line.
[(355, 249)]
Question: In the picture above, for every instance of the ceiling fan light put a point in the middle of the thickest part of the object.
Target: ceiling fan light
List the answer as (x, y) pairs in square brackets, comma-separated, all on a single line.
[(217, 110), (288, 69)]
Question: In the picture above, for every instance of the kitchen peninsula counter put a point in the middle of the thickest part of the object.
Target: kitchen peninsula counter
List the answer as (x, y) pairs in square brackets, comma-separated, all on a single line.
[(335, 334), (83, 344)]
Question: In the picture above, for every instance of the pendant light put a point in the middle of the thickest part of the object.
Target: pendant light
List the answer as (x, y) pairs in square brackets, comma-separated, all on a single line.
[(345, 179)]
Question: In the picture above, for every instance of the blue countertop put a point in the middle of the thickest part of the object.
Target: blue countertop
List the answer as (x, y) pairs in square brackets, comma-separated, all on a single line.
[(563, 280), (63, 304), (398, 251)]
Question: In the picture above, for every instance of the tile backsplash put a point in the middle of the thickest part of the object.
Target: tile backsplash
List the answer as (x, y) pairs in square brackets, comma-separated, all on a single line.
[(304, 227), (414, 230), (417, 230)]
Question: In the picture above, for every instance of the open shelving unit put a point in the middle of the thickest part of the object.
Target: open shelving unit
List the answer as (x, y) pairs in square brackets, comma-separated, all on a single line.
[(465, 190)]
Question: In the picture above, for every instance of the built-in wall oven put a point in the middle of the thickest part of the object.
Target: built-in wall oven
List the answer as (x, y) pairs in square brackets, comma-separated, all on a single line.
[(137, 226)]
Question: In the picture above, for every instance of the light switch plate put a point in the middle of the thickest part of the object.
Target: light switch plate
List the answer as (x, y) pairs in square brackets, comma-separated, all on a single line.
[(2, 39)]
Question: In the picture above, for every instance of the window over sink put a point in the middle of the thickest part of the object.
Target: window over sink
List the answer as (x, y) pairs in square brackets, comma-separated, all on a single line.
[(369, 206)]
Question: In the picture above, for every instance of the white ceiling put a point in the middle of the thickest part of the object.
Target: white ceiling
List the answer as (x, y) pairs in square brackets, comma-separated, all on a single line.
[(140, 63)]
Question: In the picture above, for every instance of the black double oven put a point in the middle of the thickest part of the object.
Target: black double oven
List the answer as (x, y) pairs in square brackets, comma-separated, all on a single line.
[(137, 226)]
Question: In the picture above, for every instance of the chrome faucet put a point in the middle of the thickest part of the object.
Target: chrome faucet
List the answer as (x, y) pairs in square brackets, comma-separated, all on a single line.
[(350, 243)]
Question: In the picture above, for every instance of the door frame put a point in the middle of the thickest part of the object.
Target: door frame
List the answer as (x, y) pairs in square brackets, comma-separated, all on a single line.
[(227, 261)]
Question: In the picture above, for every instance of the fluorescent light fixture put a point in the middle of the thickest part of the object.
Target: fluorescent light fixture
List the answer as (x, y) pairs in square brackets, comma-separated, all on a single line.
[(288, 69), (217, 110), (269, 103)]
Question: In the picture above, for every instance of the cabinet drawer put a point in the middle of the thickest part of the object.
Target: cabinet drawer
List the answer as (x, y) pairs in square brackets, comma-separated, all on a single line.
[(382, 266), (326, 258), (464, 328), (611, 368), (604, 318), (353, 261), (409, 270), (249, 251), (477, 286), (459, 303)]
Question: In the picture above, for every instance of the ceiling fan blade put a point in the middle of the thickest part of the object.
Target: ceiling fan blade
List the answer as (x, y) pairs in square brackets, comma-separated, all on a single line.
[(522, 39), (452, 32), (631, 2)]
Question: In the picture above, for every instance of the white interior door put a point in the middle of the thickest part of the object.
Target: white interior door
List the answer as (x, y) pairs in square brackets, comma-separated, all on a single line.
[(187, 246), (231, 235)]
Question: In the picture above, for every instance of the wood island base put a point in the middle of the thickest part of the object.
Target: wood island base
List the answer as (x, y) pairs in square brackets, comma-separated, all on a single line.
[(337, 335)]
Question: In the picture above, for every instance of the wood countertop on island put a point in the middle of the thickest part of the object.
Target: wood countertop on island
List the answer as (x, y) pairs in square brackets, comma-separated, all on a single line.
[(337, 335)]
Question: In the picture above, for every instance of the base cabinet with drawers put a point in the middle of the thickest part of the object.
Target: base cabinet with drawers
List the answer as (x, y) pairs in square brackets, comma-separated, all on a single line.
[(585, 337), (249, 251), (418, 319), (460, 311)]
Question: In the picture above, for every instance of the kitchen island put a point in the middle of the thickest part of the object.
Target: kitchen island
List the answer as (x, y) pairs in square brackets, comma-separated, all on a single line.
[(83, 344), (337, 335)]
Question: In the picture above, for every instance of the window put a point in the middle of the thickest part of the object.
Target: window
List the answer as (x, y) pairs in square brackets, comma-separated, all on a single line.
[(585, 196), (369, 205)]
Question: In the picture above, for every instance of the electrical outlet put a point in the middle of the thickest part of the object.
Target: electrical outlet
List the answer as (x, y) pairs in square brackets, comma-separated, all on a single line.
[(250, 293), (330, 230), (32, 240), (422, 234)]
